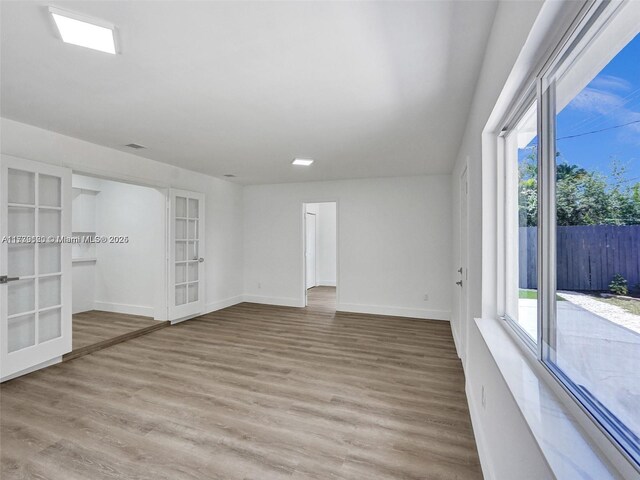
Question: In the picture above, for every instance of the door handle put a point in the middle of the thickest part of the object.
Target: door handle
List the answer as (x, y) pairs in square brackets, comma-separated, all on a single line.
[(6, 279), (460, 270), (201, 260), (459, 283)]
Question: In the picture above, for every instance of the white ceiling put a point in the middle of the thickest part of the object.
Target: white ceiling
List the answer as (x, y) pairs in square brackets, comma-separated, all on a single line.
[(367, 89)]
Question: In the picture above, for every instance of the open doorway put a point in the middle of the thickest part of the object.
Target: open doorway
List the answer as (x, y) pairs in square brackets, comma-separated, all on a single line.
[(320, 255), (117, 263)]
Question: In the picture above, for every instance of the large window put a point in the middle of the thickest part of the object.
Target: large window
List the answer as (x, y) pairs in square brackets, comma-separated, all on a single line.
[(572, 222), (521, 218)]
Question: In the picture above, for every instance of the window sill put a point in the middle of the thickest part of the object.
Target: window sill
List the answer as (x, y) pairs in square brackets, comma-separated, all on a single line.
[(567, 449)]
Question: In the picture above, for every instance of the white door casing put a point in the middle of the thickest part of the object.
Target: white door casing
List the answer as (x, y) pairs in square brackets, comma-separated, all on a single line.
[(186, 254), (310, 251), (463, 321), (35, 296)]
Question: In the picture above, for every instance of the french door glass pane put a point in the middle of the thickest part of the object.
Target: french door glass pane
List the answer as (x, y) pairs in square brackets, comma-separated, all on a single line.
[(181, 229), (193, 292), (193, 230), (181, 294), (49, 222), (21, 332), (193, 208), (49, 257), (193, 251), (181, 207), (22, 187), (181, 272), (21, 261), (521, 158), (21, 296), (595, 339), (181, 251), (49, 191), (49, 325), (49, 291), (193, 271), (21, 221)]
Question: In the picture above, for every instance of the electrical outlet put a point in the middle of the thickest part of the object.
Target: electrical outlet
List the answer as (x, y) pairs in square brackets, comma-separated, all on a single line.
[(484, 398), (426, 297)]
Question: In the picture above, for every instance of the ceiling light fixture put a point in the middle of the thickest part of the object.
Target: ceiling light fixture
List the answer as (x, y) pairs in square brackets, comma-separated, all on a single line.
[(305, 162), (84, 31), (135, 146)]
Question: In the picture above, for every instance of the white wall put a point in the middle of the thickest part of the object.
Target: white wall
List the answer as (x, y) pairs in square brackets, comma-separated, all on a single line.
[(83, 210), (505, 443), (394, 243), (83, 287), (127, 274), (224, 236)]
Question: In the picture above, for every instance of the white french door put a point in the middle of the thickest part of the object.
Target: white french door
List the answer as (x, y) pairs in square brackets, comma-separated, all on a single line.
[(186, 250), (35, 264)]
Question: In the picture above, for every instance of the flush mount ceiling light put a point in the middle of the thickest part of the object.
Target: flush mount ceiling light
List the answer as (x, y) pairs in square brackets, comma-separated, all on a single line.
[(84, 31), (305, 162)]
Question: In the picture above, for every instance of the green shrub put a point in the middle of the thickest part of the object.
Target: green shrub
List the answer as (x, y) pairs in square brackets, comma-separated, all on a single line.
[(618, 285)]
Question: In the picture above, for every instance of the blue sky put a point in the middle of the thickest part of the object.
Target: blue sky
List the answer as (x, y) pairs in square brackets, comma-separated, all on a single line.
[(612, 98)]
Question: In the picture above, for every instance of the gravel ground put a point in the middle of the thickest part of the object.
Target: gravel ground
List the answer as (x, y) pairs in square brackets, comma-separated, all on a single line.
[(612, 313)]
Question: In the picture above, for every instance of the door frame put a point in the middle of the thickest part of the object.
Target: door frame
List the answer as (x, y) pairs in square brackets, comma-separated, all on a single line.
[(303, 241), (463, 256), (315, 253), (161, 299)]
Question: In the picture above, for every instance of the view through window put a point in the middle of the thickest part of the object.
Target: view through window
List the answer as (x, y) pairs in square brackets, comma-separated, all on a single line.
[(595, 340), (522, 216)]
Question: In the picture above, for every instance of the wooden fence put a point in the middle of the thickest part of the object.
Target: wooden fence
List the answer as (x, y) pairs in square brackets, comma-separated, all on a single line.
[(588, 256)]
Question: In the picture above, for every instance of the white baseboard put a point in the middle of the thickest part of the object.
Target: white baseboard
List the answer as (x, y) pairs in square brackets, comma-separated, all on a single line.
[(280, 301), (227, 302), (444, 315), (327, 283), (478, 433), (87, 307), (123, 308), (456, 344), (48, 363)]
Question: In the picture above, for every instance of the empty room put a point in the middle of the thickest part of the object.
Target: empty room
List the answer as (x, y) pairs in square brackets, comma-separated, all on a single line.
[(320, 239)]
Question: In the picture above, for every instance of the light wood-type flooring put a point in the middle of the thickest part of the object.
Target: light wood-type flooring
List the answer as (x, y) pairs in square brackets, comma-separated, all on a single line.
[(249, 392), (95, 330)]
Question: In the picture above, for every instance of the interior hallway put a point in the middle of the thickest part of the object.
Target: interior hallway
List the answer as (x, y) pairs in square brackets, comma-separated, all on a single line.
[(251, 391), (322, 299)]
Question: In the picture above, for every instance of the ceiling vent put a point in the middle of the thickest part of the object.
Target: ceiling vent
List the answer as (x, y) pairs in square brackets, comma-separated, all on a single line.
[(135, 146)]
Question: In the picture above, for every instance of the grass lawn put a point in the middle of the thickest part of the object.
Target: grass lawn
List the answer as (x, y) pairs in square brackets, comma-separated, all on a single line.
[(528, 294), (631, 306), (533, 295)]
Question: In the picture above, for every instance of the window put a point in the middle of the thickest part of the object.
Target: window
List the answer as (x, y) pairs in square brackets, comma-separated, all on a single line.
[(572, 221), (521, 218)]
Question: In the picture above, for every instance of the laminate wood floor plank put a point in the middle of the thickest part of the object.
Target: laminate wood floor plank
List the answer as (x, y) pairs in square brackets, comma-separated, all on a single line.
[(249, 392), (95, 326)]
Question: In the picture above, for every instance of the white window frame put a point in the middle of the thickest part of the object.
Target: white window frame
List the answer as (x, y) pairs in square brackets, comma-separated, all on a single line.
[(593, 18)]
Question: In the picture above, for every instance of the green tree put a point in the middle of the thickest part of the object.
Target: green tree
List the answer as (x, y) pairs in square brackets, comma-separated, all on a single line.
[(582, 197)]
